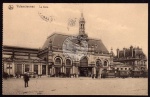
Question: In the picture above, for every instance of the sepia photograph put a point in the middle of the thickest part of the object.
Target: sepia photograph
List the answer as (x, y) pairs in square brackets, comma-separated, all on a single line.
[(75, 49)]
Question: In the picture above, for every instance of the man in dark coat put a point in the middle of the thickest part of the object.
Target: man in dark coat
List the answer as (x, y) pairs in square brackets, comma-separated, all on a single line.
[(26, 79)]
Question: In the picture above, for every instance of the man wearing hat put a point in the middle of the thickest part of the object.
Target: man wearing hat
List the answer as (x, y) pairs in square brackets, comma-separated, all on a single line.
[(26, 79)]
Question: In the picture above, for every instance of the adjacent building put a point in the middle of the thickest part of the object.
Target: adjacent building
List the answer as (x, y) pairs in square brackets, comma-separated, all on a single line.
[(132, 56)]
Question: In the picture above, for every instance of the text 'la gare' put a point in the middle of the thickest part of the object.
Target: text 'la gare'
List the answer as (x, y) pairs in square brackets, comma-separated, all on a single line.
[(43, 6)]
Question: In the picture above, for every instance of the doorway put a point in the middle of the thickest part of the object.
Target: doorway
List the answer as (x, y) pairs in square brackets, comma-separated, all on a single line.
[(57, 71), (18, 69), (68, 72), (43, 69), (85, 71)]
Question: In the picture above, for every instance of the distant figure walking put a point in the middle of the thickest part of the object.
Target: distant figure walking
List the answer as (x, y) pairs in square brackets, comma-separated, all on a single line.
[(26, 79)]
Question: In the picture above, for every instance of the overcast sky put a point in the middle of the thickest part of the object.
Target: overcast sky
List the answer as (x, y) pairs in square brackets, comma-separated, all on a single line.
[(117, 25)]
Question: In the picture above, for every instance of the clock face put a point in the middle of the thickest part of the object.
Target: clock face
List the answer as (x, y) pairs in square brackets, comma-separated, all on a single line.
[(73, 49)]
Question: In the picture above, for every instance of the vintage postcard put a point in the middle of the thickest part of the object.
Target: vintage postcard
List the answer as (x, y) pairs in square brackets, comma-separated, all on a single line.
[(75, 49)]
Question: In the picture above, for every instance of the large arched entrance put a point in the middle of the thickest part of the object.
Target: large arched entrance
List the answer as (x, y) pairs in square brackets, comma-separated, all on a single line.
[(84, 61), (84, 69)]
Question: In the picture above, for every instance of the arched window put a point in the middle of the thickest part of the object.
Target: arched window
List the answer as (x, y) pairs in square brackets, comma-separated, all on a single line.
[(68, 62), (58, 61), (98, 63), (81, 25), (105, 63)]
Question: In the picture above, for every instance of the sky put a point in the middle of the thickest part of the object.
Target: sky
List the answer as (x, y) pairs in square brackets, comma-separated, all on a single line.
[(117, 25)]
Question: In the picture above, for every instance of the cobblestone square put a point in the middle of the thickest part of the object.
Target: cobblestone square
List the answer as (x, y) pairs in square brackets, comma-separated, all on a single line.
[(76, 86)]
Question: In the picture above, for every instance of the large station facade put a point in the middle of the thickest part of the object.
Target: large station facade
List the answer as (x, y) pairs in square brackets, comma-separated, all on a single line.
[(50, 59)]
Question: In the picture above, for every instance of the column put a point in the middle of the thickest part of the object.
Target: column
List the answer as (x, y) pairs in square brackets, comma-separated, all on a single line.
[(50, 71), (135, 62), (13, 68), (108, 67), (100, 72), (73, 69), (94, 71), (32, 67), (22, 68), (47, 69), (5, 67), (38, 68), (77, 72), (41, 69), (63, 69)]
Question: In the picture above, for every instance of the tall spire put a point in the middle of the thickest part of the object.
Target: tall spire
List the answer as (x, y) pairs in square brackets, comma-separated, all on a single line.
[(81, 25), (82, 35)]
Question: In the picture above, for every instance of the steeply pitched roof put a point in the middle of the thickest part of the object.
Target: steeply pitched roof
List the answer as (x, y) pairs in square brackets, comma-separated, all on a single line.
[(58, 39), (100, 46)]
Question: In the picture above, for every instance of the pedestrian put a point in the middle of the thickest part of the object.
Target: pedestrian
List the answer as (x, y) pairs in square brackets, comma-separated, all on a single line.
[(26, 79)]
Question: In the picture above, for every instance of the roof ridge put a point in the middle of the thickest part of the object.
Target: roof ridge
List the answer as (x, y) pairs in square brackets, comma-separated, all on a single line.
[(71, 35), (60, 34), (51, 35), (18, 47), (95, 39)]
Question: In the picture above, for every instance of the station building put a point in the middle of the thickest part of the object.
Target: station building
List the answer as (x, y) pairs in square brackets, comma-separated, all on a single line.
[(50, 59)]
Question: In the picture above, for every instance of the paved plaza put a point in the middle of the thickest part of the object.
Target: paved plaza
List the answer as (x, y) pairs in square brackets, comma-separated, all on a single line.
[(76, 86)]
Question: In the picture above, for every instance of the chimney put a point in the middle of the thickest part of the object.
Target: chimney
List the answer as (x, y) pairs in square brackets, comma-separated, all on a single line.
[(131, 49), (124, 51), (117, 52)]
